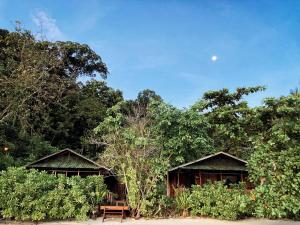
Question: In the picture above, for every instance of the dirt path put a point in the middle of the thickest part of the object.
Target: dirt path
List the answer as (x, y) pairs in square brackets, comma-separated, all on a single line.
[(194, 221)]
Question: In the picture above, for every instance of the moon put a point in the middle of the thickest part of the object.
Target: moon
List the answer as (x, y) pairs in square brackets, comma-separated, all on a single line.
[(214, 58)]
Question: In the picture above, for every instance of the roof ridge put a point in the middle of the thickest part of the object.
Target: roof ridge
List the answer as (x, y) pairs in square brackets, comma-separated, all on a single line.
[(207, 157), (69, 150)]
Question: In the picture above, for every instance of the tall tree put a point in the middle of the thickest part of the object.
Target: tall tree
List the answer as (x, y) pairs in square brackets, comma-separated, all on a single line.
[(36, 74), (275, 164), (40, 97), (146, 96), (232, 122), (182, 133), (133, 152)]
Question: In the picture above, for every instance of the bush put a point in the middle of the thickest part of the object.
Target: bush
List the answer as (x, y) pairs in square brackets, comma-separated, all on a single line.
[(270, 202), (34, 195), (6, 160), (216, 200), (278, 175), (158, 204), (183, 201), (274, 166)]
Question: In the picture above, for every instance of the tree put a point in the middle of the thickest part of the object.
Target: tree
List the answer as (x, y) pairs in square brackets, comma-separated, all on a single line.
[(133, 152), (182, 133), (21, 148), (41, 100), (295, 91), (36, 74), (275, 164), (95, 99), (232, 122), (141, 143), (146, 96), (142, 102), (80, 111)]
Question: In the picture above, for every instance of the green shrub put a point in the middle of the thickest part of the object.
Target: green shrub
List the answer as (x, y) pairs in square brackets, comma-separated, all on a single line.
[(271, 203), (277, 175), (158, 204), (21, 193), (274, 166), (68, 199), (183, 201), (216, 200), (95, 190), (6, 160), (33, 195)]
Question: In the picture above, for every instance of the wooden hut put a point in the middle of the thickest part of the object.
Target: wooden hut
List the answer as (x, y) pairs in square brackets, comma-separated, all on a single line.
[(220, 166), (71, 163)]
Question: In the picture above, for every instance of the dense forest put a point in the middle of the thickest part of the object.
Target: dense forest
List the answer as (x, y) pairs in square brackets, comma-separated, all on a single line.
[(44, 107)]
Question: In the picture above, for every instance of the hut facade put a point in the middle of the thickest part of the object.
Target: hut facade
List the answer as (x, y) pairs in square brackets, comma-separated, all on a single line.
[(216, 167), (71, 163)]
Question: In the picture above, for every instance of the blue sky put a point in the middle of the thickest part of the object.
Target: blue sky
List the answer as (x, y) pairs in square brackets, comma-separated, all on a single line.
[(167, 46)]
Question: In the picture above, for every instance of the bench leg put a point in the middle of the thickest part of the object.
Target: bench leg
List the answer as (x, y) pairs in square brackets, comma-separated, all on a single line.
[(103, 215), (122, 216)]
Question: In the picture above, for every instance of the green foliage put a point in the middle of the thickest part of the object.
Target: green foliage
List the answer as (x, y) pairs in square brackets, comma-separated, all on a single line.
[(145, 98), (95, 190), (6, 160), (182, 133), (271, 202), (183, 200), (216, 200), (275, 164), (22, 148), (232, 122), (80, 111), (42, 104), (34, 195), (134, 153), (68, 200), (43, 107), (21, 193), (159, 206), (36, 74)]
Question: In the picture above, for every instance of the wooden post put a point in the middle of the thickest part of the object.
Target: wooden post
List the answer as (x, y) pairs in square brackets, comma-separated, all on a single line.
[(78, 172), (168, 185), (178, 179), (242, 177), (104, 214), (200, 176), (221, 176)]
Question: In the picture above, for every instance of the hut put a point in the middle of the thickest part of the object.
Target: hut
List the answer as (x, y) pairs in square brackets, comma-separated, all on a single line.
[(71, 163), (220, 166)]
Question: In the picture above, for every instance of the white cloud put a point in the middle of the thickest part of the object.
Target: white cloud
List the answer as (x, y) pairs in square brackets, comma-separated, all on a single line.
[(47, 25)]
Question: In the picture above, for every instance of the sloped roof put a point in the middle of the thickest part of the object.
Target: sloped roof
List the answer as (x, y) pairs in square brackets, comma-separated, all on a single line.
[(217, 161), (66, 159)]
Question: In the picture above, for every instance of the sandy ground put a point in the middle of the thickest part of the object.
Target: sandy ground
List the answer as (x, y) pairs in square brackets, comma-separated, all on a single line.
[(185, 221)]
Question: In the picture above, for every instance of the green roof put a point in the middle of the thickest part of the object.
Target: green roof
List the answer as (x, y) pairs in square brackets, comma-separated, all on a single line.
[(220, 161), (66, 159)]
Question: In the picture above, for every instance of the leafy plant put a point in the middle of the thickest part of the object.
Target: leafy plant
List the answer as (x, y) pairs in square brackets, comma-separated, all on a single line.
[(34, 195), (158, 204), (183, 200), (275, 165), (134, 153), (216, 200)]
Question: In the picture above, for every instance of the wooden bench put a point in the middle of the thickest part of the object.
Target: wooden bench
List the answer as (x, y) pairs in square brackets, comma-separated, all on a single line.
[(114, 210)]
